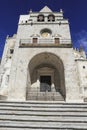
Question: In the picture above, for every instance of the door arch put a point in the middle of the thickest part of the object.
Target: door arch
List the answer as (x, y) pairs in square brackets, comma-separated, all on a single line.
[(47, 69)]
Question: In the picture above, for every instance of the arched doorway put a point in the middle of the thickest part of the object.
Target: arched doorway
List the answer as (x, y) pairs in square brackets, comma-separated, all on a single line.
[(46, 78)]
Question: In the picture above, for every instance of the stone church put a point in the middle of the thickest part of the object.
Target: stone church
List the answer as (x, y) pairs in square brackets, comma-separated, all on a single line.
[(39, 62)]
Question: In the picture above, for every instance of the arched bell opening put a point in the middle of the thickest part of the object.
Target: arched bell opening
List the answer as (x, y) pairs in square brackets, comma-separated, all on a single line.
[(46, 76), (40, 18), (51, 17)]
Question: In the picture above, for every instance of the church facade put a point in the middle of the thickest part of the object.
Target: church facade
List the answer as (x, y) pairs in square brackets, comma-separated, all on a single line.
[(39, 62)]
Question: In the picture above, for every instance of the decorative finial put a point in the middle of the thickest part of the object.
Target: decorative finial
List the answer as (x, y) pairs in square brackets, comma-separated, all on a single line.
[(61, 11), (81, 48), (7, 37), (30, 11)]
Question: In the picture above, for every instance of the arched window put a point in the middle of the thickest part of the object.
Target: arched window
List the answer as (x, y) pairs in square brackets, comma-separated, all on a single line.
[(40, 18), (51, 17)]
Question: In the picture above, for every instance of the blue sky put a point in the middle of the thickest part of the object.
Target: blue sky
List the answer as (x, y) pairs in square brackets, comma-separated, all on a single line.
[(74, 10)]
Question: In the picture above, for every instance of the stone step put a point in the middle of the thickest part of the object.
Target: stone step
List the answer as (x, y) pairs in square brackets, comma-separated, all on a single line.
[(50, 96), (41, 109), (44, 104), (41, 115), (44, 125), (24, 118), (33, 129), (40, 129)]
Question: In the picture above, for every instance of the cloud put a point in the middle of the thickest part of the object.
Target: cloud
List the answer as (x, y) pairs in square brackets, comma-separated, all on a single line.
[(81, 39)]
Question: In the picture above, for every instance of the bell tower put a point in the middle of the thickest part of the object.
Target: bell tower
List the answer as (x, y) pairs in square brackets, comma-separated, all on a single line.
[(46, 28)]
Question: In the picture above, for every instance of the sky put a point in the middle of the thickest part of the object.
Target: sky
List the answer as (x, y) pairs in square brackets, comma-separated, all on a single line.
[(74, 10)]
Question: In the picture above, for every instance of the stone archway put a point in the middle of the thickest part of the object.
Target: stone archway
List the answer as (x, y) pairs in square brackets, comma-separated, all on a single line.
[(46, 78)]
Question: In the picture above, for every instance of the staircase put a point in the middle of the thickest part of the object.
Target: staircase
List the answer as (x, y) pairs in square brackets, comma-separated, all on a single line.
[(47, 96), (43, 115)]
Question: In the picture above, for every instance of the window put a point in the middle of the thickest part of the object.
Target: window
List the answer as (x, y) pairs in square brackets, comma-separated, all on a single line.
[(40, 18), (34, 40), (56, 40), (11, 51), (51, 17), (83, 67)]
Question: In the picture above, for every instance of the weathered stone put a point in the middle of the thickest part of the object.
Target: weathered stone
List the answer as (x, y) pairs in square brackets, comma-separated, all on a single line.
[(41, 53)]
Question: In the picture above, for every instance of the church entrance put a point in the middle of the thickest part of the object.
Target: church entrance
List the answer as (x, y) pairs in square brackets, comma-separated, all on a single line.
[(45, 78), (45, 83)]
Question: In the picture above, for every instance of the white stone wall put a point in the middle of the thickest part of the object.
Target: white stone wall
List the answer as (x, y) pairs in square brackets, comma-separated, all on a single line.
[(82, 72), (28, 30), (6, 65), (18, 80)]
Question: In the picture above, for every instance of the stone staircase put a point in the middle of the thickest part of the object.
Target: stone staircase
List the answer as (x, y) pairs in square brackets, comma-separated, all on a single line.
[(47, 96), (43, 115), (36, 94)]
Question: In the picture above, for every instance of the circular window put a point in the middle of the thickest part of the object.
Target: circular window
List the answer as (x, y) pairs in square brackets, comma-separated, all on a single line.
[(45, 33)]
